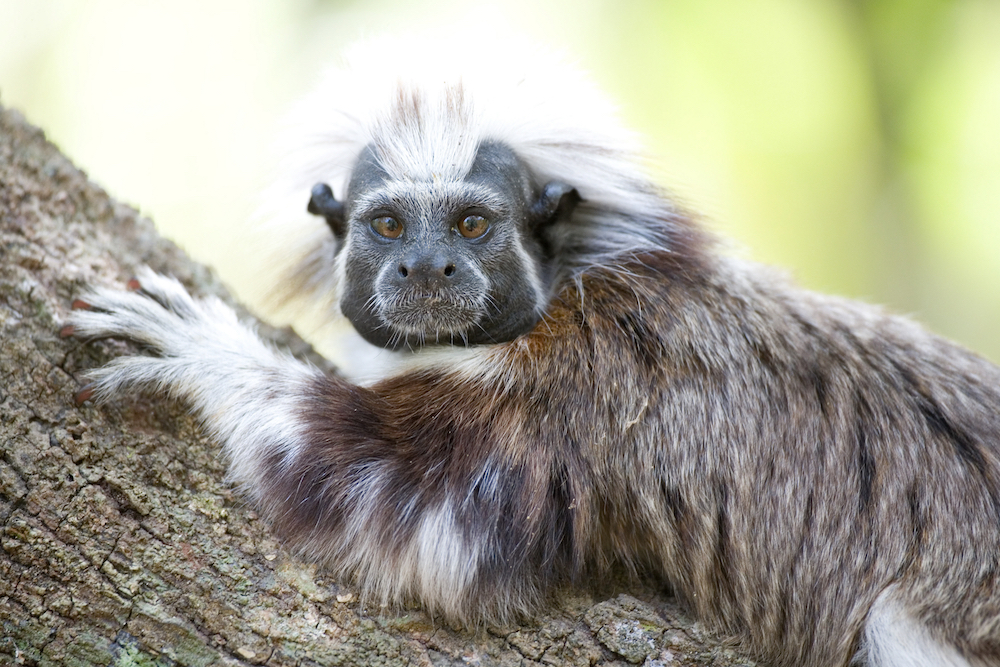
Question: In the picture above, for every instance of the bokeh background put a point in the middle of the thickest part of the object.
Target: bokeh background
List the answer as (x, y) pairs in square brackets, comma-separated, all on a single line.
[(856, 143)]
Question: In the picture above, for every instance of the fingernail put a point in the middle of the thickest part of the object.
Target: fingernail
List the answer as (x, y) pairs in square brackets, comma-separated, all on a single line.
[(133, 284), (80, 304), (66, 331), (84, 395)]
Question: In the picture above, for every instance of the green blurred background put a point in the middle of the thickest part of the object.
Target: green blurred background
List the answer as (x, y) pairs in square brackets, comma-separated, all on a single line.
[(855, 143)]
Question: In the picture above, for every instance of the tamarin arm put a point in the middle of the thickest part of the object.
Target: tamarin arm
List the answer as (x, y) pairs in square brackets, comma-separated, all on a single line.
[(425, 486)]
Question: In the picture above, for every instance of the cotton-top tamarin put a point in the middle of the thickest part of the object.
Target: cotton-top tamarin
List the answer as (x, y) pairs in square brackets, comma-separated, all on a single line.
[(575, 378)]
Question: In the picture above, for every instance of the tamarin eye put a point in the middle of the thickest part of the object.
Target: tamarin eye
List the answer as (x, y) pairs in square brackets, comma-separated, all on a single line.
[(473, 226), (388, 227)]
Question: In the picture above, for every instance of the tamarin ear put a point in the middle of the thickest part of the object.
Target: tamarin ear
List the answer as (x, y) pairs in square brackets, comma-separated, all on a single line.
[(322, 202), (556, 203)]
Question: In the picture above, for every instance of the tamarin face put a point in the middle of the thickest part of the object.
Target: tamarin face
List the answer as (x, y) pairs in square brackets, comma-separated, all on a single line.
[(445, 261)]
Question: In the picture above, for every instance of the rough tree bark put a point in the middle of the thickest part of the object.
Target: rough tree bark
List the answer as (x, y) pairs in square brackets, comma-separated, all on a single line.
[(122, 545)]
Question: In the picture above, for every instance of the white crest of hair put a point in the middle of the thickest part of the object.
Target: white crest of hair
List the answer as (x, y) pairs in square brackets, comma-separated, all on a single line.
[(893, 638), (426, 108)]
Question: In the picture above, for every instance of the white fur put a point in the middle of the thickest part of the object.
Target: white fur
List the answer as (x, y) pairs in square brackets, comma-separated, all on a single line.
[(365, 364), (246, 394), (893, 638), (436, 566), (529, 267), (478, 364), (445, 562)]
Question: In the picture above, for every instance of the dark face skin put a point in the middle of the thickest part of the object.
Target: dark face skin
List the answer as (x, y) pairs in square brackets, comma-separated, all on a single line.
[(445, 262)]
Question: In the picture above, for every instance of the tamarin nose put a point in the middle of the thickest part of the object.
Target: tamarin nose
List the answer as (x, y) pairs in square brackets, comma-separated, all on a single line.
[(430, 271)]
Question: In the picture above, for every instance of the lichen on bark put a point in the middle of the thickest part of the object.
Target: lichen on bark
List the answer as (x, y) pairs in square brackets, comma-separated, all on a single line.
[(121, 543)]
